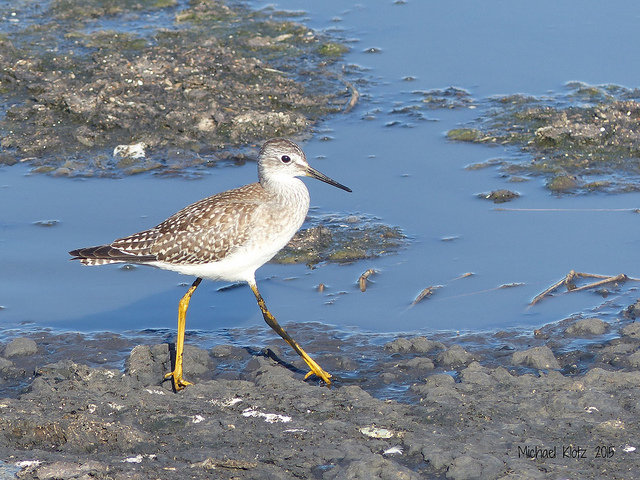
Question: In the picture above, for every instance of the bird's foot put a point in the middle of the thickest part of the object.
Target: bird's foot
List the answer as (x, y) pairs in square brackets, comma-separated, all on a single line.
[(316, 370), (178, 382)]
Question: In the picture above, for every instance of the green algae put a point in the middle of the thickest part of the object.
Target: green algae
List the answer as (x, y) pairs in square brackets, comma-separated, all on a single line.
[(341, 242), (449, 98), (464, 135), (562, 183), (572, 139), (499, 196), (211, 79), (333, 49)]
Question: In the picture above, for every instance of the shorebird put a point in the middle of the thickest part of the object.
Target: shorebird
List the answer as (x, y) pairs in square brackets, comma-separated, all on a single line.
[(227, 237)]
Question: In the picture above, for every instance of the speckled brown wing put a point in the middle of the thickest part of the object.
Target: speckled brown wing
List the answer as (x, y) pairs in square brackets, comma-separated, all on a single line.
[(203, 232)]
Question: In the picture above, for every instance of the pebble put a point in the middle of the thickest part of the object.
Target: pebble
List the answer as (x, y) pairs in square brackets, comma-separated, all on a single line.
[(416, 344), (70, 470), (634, 359), (587, 326), (537, 357), (19, 347), (472, 467), (632, 330), (373, 467), (5, 364), (454, 356)]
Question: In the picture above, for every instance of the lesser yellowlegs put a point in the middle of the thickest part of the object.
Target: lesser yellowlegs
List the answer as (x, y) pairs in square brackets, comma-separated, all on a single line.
[(226, 237)]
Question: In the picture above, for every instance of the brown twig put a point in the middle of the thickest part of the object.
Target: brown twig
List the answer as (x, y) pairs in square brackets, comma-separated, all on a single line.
[(355, 96), (426, 293), (569, 282), (362, 281)]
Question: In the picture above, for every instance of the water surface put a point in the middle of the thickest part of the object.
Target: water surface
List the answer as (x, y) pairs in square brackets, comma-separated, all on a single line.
[(401, 169)]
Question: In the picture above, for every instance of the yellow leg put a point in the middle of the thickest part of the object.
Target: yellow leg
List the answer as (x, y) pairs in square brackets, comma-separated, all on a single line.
[(178, 382), (272, 322)]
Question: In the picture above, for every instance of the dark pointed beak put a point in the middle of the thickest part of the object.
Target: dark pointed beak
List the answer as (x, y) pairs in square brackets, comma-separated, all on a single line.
[(312, 172)]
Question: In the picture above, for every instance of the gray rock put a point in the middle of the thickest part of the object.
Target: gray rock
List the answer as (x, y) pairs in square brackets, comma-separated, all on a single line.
[(632, 330), (536, 357), (634, 360), (477, 374), (437, 457), (454, 356), (196, 360), (5, 364), (598, 377), (399, 345), (480, 467), (147, 365), (373, 466), (587, 326), (416, 344), (70, 470), (20, 347), (438, 384), (424, 345), (417, 363), (502, 375), (439, 380), (62, 370)]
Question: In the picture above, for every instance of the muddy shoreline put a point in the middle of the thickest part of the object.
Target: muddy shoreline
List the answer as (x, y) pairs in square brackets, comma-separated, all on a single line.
[(502, 405), (169, 87)]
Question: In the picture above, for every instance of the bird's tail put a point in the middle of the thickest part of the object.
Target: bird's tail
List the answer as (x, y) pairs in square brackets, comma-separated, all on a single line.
[(104, 254)]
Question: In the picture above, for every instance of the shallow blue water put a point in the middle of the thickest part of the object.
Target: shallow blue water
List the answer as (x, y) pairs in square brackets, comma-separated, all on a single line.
[(407, 175)]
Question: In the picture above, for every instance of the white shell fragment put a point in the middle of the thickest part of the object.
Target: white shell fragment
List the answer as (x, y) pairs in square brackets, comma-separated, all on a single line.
[(377, 432), (268, 417), (135, 150)]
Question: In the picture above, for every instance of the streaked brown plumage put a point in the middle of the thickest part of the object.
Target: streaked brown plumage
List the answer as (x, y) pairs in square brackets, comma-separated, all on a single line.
[(204, 232)]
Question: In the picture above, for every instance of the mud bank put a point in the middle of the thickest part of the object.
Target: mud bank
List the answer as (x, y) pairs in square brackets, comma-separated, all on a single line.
[(502, 405), (115, 88)]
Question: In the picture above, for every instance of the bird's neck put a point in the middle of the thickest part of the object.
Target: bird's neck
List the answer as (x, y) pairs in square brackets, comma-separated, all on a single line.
[(287, 190)]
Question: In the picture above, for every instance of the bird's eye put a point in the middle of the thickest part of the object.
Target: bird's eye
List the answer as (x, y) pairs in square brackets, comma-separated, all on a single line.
[(285, 158)]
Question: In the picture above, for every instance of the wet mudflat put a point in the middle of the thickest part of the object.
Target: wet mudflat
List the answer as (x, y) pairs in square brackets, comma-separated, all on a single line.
[(510, 404), (581, 140), (560, 402), (161, 84)]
